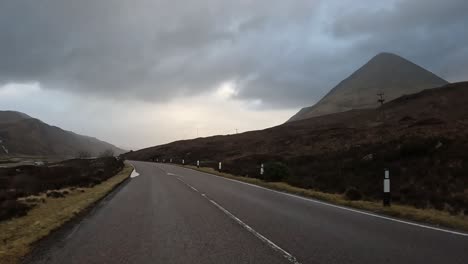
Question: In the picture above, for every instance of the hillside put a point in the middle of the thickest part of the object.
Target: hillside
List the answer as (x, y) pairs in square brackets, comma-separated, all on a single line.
[(21, 134), (385, 73), (422, 138)]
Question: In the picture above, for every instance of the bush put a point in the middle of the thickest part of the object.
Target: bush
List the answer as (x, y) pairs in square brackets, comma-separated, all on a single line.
[(353, 194), (12, 208), (275, 171)]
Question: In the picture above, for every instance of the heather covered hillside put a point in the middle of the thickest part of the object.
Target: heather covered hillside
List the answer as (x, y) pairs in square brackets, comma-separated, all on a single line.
[(422, 138)]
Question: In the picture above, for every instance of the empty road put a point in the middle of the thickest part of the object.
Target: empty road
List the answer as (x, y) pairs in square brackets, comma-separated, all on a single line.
[(170, 214)]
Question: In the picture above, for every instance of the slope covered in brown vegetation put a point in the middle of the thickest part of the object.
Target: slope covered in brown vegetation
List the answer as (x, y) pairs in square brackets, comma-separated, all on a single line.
[(422, 138), (21, 134), (26, 180)]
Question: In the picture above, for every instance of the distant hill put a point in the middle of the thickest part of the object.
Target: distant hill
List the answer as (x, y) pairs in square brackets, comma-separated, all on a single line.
[(12, 116), (21, 134), (422, 138), (385, 73)]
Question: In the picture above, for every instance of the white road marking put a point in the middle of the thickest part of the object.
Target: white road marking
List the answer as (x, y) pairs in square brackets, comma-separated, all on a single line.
[(265, 240), (172, 174), (5, 149), (344, 208), (74, 230), (270, 243), (134, 173)]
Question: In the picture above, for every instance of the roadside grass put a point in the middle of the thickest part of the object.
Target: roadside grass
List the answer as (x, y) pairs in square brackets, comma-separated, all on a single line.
[(429, 216), (18, 234)]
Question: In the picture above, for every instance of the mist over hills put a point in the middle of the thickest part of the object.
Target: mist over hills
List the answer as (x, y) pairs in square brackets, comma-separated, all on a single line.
[(385, 73), (21, 134)]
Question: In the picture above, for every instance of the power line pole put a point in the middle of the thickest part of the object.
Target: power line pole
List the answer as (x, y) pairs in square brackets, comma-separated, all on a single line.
[(387, 196), (381, 99)]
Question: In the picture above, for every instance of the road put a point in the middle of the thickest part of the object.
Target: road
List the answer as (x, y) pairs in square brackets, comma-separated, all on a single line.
[(170, 214)]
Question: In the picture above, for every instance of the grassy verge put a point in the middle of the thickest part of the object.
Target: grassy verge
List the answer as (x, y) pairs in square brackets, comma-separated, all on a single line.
[(430, 216), (18, 234)]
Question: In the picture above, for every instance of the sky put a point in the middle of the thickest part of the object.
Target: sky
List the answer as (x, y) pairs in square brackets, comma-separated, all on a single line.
[(139, 73)]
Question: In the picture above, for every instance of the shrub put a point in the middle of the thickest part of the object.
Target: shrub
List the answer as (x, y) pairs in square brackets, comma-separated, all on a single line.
[(12, 208), (275, 171), (353, 194)]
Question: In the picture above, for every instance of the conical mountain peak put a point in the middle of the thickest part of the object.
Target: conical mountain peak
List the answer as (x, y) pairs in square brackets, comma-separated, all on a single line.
[(385, 73)]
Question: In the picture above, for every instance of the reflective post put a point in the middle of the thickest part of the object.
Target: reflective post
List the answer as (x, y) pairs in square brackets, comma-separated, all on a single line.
[(386, 189)]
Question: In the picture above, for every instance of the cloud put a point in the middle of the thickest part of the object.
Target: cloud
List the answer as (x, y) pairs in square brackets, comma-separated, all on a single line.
[(429, 32), (280, 54), (132, 124)]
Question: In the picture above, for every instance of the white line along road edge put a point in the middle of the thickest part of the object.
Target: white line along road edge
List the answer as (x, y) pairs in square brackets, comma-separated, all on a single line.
[(134, 172), (265, 240)]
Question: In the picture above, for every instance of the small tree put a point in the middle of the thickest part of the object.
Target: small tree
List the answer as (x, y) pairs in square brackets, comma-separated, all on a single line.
[(106, 153), (275, 171)]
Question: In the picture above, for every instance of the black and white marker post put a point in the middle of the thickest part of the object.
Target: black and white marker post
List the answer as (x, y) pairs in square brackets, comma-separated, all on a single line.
[(219, 166), (183, 162), (261, 169), (198, 164), (386, 189)]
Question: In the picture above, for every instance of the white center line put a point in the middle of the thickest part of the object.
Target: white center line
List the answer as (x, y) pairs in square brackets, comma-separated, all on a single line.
[(265, 240)]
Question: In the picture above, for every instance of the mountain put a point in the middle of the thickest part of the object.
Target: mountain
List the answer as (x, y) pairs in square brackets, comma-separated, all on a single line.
[(385, 73), (422, 138), (21, 134), (12, 116)]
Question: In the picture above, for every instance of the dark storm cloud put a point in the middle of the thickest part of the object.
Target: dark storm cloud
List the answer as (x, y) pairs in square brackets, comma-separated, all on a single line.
[(286, 53), (430, 32)]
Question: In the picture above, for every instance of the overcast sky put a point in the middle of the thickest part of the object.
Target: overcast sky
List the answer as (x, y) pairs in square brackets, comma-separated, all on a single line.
[(138, 73)]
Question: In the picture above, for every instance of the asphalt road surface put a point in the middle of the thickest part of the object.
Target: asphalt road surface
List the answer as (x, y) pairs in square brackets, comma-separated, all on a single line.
[(170, 214)]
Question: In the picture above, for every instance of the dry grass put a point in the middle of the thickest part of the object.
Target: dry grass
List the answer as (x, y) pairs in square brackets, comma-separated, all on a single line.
[(18, 234), (430, 216)]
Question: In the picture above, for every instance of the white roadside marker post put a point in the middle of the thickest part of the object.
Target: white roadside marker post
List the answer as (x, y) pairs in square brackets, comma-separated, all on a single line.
[(183, 162), (219, 166), (386, 189), (170, 161), (198, 164), (261, 169), (157, 160)]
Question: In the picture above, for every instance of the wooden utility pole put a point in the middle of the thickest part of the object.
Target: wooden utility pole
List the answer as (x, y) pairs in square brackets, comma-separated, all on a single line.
[(381, 99), (387, 196)]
